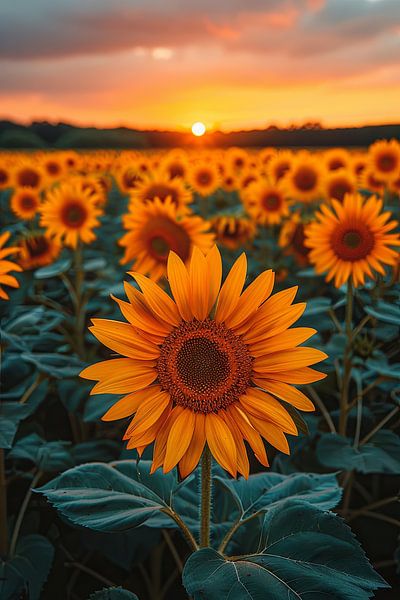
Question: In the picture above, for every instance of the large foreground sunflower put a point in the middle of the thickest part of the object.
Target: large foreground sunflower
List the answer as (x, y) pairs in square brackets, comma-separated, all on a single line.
[(155, 228), (70, 213), (352, 240), (207, 366), (6, 266)]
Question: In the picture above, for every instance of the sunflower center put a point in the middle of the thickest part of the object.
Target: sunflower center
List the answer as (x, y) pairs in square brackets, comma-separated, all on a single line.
[(53, 168), (162, 235), (305, 179), (27, 202), (203, 178), (130, 179), (3, 177), (204, 366), (387, 162), (28, 177), (339, 189), (352, 243), (37, 246), (176, 170), (271, 202), (158, 190), (335, 164), (74, 215)]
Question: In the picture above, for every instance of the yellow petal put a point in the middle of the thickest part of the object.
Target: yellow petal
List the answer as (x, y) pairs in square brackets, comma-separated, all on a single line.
[(129, 404), (179, 282), (179, 438), (158, 301), (231, 289), (254, 295), (190, 459), (221, 443), (199, 284)]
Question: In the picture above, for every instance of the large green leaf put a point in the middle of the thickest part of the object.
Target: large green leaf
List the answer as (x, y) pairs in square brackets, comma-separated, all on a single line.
[(385, 311), (108, 498), (48, 456), (262, 491), (306, 554), (381, 454), (27, 570), (113, 594)]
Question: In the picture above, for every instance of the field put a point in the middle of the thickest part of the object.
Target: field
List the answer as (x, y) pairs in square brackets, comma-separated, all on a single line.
[(200, 374)]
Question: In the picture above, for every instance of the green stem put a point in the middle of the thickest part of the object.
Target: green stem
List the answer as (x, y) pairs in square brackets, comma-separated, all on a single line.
[(344, 395), (21, 514), (185, 530), (205, 514), (3, 507)]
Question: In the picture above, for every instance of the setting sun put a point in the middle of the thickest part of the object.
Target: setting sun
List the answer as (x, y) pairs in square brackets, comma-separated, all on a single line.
[(198, 128)]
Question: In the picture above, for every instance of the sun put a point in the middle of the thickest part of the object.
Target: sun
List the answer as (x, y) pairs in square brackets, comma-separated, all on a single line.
[(198, 128)]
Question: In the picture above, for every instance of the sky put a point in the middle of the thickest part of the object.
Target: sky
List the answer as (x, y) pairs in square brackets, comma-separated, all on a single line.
[(232, 64)]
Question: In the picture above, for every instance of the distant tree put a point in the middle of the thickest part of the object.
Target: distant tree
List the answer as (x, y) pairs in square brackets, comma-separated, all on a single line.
[(20, 138)]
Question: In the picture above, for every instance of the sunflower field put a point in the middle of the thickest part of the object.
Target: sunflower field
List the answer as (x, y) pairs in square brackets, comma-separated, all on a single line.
[(200, 374)]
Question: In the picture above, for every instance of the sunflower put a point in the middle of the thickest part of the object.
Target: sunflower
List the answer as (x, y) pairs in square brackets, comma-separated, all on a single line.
[(229, 181), (265, 203), (352, 239), (71, 160), (175, 164), (358, 164), (127, 178), (206, 367), (155, 228), (5, 177), (339, 183), (370, 182), (236, 159), (292, 238), (28, 174), (37, 250), (69, 213), (248, 176), (279, 165), (304, 181), (337, 158), (25, 203), (6, 266), (233, 231), (204, 178), (159, 185), (53, 165), (384, 160)]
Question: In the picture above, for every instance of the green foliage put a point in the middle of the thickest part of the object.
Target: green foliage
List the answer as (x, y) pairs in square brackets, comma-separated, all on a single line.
[(27, 570), (113, 594), (381, 454), (305, 552)]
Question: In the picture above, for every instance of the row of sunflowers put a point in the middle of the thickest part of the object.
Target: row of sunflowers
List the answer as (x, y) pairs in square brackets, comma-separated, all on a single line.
[(234, 482)]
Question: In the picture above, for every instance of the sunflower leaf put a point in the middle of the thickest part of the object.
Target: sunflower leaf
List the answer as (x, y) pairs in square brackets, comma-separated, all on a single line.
[(27, 570), (107, 498), (307, 553), (381, 454), (113, 594)]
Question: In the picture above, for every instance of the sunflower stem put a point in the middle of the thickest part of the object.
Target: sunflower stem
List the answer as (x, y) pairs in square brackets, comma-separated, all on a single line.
[(205, 514), (347, 362)]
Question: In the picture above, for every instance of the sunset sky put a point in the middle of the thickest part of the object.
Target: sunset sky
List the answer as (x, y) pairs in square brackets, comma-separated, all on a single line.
[(229, 63)]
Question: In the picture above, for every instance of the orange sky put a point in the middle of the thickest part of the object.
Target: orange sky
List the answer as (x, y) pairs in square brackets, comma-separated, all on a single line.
[(233, 64)]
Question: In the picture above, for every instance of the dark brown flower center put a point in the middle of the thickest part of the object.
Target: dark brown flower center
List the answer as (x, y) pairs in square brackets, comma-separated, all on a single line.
[(271, 201), (162, 192), (74, 215), (352, 243), (162, 235), (3, 177), (27, 202), (37, 246), (387, 162), (339, 188), (335, 164), (28, 177), (204, 366), (305, 179), (281, 168), (53, 168), (203, 177)]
